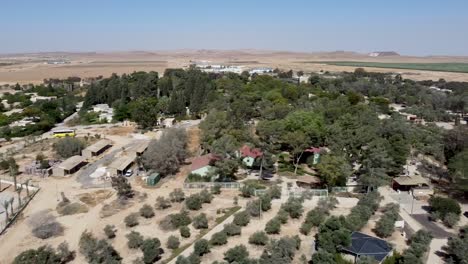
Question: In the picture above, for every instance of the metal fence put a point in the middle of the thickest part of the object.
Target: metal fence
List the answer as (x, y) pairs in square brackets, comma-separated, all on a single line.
[(203, 185), (312, 192), (339, 189)]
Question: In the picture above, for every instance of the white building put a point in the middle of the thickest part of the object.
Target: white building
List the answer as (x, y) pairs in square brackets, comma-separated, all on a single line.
[(261, 70), (105, 112)]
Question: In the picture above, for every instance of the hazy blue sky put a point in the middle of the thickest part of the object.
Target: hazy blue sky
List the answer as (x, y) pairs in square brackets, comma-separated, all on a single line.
[(413, 27)]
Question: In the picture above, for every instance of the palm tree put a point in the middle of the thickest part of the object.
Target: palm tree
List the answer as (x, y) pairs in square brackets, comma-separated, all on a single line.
[(12, 199), (27, 186), (19, 190), (5, 205)]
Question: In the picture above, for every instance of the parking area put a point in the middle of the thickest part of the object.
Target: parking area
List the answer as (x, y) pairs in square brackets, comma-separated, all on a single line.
[(409, 204)]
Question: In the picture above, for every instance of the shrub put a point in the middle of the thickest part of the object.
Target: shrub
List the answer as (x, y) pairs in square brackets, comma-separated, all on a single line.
[(97, 251), (45, 253), (232, 229), (265, 202), (194, 202), (294, 207), (184, 231), (451, 219), (282, 216), (134, 239), (110, 230), (44, 225), (305, 228), (68, 146), (206, 196), (201, 247), (273, 226), (219, 238), (162, 203), (237, 254), (216, 189), (444, 206), (247, 191), (282, 249), (131, 220), (177, 196), (253, 208), (146, 211), (241, 218), (173, 242), (386, 224), (258, 238), (180, 219), (151, 248), (275, 192), (200, 221), (123, 187)]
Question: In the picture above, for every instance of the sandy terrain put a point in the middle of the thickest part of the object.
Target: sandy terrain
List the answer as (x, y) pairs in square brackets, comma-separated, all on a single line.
[(31, 68)]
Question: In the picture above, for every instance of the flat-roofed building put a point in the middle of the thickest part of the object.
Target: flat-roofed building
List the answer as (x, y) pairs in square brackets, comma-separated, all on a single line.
[(96, 149), (121, 164), (69, 166), (139, 147)]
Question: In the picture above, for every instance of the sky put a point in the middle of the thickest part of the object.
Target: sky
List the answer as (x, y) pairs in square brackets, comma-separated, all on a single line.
[(410, 27)]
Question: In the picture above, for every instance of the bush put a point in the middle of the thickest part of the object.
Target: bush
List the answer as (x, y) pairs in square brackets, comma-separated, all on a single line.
[(97, 251), (216, 189), (151, 248), (273, 226), (134, 239), (219, 238), (201, 247), (386, 224), (237, 254), (46, 253), (68, 146), (146, 211), (194, 202), (162, 203), (110, 230), (200, 221), (173, 242), (131, 220), (280, 251), (305, 228), (294, 207), (444, 206), (44, 225), (253, 208), (265, 202), (282, 216), (258, 238), (451, 219), (184, 231), (247, 191), (177, 196), (275, 192), (232, 229), (241, 218), (206, 196), (180, 219)]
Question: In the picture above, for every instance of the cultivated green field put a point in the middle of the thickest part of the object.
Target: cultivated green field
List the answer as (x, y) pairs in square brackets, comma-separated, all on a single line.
[(445, 67)]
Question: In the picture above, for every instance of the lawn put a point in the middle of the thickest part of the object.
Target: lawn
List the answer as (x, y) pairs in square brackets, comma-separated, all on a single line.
[(444, 67)]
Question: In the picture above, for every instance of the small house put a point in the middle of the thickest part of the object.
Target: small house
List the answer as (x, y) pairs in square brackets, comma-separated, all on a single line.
[(369, 246), (407, 183), (249, 155), (121, 164), (203, 164), (96, 149), (69, 166)]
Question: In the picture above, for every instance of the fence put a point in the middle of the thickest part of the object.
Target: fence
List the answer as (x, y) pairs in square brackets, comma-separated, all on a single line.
[(339, 189), (312, 192), (203, 185), (259, 192)]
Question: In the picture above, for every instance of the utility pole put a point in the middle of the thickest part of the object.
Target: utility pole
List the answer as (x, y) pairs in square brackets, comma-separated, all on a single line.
[(261, 166)]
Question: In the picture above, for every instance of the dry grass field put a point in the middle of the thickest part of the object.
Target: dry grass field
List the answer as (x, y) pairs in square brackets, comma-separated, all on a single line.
[(31, 68)]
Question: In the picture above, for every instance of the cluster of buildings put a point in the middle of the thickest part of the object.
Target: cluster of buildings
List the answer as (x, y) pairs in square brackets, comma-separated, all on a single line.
[(105, 112)]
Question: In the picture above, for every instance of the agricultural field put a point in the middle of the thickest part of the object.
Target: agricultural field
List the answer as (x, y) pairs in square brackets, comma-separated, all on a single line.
[(442, 67)]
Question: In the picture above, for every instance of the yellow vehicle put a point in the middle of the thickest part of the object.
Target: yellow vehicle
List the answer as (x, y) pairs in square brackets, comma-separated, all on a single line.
[(63, 133)]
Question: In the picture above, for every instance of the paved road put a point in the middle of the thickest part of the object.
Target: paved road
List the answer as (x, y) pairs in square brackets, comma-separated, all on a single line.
[(433, 228)]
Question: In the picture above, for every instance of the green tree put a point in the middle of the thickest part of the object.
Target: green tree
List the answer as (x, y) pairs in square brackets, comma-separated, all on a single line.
[(334, 170)]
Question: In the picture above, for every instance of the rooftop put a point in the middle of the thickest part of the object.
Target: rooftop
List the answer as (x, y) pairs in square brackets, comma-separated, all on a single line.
[(139, 147), (247, 151), (99, 145), (202, 161), (411, 180), (365, 245), (122, 162), (71, 162)]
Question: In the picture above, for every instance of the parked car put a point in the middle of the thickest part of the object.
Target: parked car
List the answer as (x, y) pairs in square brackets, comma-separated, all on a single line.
[(128, 173)]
